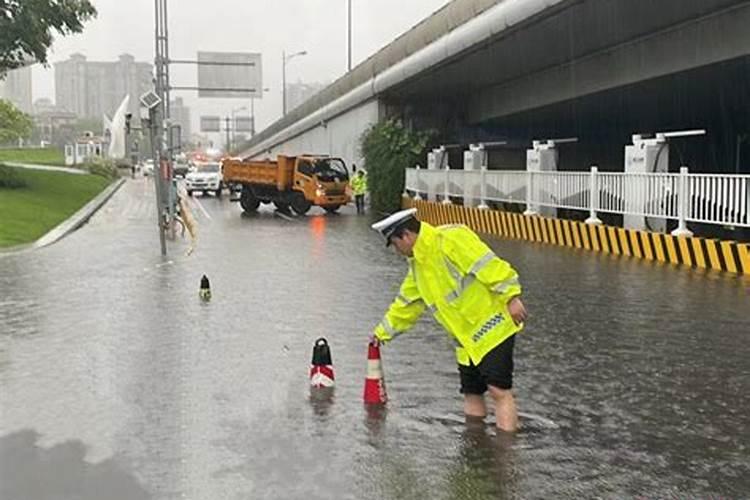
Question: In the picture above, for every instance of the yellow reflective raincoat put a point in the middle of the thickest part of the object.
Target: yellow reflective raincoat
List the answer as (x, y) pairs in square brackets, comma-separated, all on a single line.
[(359, 184), (465, 286)]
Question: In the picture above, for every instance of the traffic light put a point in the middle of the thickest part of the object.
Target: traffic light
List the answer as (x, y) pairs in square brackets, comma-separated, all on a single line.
[(128, 117)]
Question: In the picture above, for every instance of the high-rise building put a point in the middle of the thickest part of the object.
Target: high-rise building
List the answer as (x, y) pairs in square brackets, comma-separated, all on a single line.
[(297, 93), (16, 88), (180, 115), (91, 89)]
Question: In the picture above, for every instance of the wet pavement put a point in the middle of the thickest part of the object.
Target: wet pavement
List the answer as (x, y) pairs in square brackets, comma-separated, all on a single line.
[(633, 378)]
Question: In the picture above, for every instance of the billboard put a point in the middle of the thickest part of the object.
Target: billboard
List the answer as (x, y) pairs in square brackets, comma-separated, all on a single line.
[(210, 124), (229, 74), (242, 124)]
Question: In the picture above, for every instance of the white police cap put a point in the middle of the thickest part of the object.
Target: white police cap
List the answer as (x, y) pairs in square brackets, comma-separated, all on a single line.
[(390, 224)]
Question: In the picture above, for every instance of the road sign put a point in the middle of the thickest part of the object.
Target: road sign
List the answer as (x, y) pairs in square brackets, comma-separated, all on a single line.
[(229, 74), (242, 124), (210, 124), (150, 100)]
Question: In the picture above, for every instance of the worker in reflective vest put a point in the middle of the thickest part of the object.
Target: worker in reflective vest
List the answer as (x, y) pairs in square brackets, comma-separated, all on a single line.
[(359, 189), (472, 293)]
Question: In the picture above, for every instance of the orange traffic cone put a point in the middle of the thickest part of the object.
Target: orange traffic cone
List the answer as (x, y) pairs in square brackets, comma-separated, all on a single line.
[(321, 369), (374, 381)]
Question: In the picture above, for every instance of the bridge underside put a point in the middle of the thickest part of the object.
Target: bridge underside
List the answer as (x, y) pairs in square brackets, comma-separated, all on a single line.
[(715, 98), (599, 71)]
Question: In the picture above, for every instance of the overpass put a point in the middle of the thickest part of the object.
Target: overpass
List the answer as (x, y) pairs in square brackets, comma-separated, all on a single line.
[(518, 70)]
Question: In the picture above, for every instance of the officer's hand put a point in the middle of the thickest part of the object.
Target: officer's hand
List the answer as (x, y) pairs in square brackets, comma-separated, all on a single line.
[(517, 310), (374, 340)]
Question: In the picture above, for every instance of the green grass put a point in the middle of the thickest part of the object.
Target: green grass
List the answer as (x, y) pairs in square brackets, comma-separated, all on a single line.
[(49, 198), (46, 156)]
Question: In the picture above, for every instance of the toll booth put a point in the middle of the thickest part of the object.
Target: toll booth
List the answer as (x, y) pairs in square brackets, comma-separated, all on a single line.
[(84, 149)]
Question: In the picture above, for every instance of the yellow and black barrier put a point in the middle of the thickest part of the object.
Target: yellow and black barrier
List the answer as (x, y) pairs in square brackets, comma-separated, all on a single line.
[(704, 253)]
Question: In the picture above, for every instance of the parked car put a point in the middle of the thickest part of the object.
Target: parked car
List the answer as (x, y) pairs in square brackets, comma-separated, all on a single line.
[(181, 168), (206, 177)]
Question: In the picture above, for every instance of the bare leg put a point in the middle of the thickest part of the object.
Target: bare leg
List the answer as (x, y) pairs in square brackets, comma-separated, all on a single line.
[(506, 416), (474, 405)]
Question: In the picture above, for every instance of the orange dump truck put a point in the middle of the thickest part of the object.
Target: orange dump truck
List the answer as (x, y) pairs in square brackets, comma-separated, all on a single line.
[(296, 182)]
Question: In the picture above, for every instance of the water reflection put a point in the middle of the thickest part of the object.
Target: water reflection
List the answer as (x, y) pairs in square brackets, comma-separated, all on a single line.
[(485, 466), (321, 400), (60, 472), (375, 418)]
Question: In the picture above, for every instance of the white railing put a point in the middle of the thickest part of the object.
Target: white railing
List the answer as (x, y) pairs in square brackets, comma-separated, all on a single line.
[(705, 198)]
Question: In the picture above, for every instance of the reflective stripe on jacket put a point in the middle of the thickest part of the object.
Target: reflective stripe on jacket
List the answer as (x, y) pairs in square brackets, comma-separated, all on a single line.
[(465, 286)]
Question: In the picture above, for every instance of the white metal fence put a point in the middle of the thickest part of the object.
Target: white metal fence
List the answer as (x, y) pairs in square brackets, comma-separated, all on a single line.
[(706, 198)]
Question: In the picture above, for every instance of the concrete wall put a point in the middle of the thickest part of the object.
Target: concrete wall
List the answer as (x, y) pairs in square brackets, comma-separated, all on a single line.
[(338, 137)]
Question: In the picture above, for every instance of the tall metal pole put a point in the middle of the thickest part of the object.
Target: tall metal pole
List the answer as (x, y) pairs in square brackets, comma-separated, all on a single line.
[(156, 115), (170, 198), (155, 119), (283, 81), (349, 36)]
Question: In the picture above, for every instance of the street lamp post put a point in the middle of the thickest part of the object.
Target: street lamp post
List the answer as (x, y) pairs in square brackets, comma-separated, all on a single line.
[(349, 35), (286, 58)]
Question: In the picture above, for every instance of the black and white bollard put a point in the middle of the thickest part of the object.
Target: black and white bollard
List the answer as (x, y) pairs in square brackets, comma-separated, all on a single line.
[(321, 369), (205, 290)]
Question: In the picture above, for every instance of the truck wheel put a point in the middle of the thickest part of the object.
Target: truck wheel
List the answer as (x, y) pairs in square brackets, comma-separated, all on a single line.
[(248, 201), (190, 192), (332, 209), (300, 204), (281, 206)]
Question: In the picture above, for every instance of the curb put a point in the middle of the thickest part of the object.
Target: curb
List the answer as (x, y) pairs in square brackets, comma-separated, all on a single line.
[(72, 223), (695, 252)]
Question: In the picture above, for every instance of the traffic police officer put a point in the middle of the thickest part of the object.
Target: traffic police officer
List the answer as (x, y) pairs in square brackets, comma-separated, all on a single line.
[(472, 293), (359, 189)]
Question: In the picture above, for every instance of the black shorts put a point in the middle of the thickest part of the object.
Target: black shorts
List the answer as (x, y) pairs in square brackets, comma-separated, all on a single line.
[(496, 369)]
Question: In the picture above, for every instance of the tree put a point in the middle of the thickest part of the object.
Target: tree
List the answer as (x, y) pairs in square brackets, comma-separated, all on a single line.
[(389, 148), (14, 124), (26, 28)]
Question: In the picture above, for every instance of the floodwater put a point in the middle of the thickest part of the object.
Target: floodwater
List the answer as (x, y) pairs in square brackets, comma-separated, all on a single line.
[(633, 378)]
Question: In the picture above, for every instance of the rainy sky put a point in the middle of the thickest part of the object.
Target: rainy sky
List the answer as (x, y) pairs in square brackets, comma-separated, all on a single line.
[(265, 26)]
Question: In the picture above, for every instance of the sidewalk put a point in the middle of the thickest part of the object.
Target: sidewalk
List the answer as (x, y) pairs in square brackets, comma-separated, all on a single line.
[(31, 166)]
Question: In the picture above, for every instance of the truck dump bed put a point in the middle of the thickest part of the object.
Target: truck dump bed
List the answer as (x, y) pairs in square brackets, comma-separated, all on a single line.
[(277, 172)]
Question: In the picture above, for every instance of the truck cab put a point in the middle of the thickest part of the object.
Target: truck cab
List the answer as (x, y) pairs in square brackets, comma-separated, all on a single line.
[(322, 180)]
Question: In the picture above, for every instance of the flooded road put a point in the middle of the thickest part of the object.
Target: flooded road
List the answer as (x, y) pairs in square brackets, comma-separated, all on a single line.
[(634, 378)]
